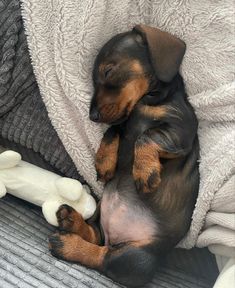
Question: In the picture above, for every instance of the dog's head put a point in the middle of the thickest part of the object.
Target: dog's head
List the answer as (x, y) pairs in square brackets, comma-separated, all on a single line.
[(126, 68)]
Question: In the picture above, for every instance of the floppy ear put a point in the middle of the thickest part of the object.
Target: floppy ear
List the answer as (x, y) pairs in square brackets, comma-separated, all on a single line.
[(166, 51)]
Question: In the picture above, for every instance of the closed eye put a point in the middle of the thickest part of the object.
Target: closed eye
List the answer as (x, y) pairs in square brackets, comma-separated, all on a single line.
[(107, 71)]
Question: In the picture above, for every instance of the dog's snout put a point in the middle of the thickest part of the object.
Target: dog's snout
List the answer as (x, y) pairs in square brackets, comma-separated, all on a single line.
[(94, 115)]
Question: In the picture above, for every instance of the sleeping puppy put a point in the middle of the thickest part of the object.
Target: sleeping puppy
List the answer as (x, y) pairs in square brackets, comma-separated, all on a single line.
[(147, 158)]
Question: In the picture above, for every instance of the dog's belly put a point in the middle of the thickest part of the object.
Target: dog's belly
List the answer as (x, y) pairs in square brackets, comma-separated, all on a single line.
[(124, 221)]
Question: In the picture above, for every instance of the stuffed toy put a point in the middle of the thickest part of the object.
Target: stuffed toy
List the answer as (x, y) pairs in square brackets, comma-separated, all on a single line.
[(42, 187)]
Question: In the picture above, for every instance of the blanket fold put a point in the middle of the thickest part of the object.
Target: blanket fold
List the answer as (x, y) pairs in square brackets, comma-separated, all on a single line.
[(64, 37)]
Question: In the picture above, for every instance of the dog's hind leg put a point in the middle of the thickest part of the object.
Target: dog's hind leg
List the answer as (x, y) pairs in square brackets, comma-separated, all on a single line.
[(72, 222), (131, 264)]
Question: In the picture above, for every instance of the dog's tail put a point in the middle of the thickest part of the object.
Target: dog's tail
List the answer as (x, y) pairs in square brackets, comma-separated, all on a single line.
[(131, 266)]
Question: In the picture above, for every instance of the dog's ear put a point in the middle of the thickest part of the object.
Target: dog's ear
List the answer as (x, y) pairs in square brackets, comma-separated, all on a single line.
[(166, 51)]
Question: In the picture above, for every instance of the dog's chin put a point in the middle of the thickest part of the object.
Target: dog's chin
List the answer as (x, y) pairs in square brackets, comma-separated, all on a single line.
[(119, 120)]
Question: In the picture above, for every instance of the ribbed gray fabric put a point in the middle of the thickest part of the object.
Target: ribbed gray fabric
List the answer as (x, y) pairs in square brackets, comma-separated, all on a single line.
[(23, 116), (28, 155), (26, 262)]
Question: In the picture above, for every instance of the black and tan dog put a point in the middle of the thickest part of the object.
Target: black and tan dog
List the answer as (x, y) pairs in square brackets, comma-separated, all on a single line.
[(147, 158)]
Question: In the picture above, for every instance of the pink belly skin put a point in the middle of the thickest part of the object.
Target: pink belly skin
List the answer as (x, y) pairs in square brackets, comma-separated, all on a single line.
[(124, 222)]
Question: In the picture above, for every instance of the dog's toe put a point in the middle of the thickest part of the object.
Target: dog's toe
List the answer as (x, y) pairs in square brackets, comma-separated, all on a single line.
[(153, 181), (64, 217), (63, 211), (148, 184), (56, 245)]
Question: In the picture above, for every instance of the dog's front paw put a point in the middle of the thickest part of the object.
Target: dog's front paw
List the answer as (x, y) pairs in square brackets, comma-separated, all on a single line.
[(104, 171), (146, 168), (146, 182), (106, 160)]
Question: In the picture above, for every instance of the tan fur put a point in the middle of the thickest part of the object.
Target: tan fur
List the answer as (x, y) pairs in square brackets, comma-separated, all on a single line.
[(142, 243), (167, 155), (136, 67), (145, 163), (131, 93), (72, 221), (74, 248), (155, 112), (106, 159)]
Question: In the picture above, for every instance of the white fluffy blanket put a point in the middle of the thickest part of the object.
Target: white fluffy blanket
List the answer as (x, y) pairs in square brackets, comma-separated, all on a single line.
[(64, 37)]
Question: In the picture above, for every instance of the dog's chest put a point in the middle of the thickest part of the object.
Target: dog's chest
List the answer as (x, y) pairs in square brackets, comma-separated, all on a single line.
[(123, 216), (136, 125)]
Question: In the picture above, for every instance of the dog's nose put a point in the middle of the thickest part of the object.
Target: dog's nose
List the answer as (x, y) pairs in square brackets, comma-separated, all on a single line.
[(94, 115)]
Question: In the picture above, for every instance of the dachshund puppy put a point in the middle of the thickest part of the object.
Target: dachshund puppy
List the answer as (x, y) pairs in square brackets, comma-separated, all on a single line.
[(148, 159)]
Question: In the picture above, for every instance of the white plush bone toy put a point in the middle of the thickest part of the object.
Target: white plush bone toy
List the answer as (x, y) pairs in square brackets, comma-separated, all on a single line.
[(43, 188)]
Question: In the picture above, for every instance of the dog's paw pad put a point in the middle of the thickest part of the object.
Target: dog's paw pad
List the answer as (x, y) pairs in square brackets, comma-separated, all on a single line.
[(153, 181), (65, 217), (148, 184)]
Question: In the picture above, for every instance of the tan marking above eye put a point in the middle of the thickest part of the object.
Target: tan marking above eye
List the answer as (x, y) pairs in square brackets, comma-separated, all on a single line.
[(136, 67), (103, 66)]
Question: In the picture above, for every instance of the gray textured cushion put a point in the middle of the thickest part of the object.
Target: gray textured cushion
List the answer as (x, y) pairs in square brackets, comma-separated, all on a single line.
[(23, 116), (26, 262)]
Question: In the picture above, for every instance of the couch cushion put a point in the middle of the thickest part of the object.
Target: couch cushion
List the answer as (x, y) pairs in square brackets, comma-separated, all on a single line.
[(24, 120), (26, 262)]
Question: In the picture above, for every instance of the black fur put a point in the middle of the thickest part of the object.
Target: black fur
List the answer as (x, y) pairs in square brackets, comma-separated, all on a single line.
[(172, 204)]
